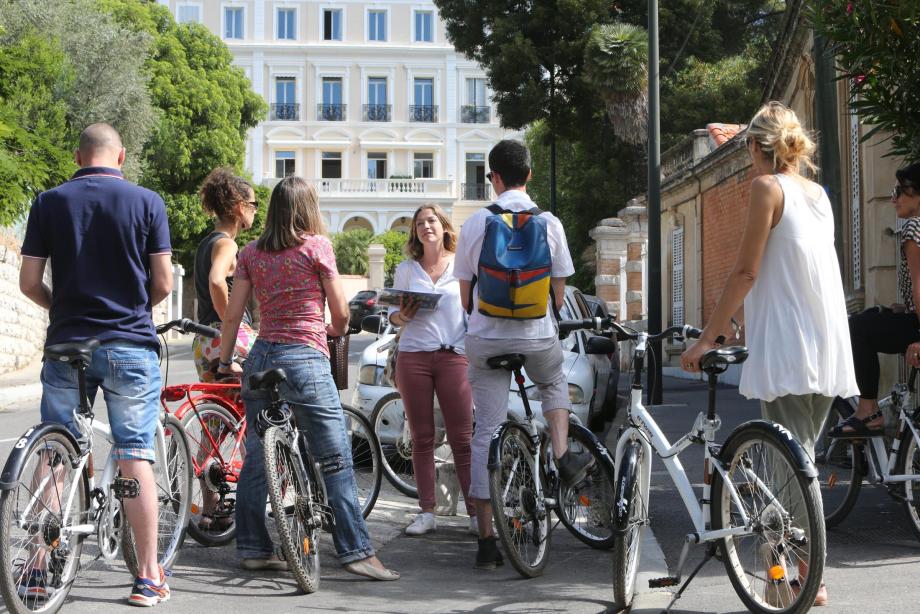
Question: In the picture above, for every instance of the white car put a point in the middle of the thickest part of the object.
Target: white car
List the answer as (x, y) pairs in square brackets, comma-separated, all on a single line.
[(592, 382)]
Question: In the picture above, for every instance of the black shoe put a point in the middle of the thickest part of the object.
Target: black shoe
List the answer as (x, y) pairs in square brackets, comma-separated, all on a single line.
[(573, 467), (488, 556)]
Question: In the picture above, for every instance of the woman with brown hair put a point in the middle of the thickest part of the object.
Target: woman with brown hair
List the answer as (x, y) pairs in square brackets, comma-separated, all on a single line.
[(291, 270), (431, 359)]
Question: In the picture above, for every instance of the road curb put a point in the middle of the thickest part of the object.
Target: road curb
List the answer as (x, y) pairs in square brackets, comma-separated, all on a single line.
[(651, 565)]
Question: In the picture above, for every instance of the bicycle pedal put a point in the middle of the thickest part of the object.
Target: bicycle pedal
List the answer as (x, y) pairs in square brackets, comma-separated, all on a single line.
[(663, 582), (126, 488)]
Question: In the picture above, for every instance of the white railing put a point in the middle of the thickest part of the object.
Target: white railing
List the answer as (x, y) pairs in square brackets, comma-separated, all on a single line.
[(381, 187)]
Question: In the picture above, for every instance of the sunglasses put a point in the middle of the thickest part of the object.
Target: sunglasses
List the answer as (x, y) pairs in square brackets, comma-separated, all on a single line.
[(489, 175), (252, 203), (899, 190)]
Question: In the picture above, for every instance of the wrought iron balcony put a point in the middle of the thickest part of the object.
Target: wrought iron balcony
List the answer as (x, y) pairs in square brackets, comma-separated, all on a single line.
[(471, 114), (423, 113), (377, 112), (285, 111), (330, 112), (475, 191)]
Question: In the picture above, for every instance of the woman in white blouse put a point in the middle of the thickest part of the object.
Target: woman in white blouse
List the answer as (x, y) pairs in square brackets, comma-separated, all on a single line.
[(431, 359)]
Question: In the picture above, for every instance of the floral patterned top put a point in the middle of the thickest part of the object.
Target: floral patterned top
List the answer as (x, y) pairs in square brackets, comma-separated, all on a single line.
[(289, 287)]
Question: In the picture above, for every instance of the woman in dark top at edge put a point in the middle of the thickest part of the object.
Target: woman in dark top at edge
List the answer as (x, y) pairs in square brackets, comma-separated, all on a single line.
[(232, 202)]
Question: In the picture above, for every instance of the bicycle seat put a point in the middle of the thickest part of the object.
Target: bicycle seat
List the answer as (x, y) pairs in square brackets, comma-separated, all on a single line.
[(717, 360), (266, 379), (74, 351), (506, 361)]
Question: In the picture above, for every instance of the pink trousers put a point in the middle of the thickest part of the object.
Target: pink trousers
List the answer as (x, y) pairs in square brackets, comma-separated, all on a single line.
[(419, 375)]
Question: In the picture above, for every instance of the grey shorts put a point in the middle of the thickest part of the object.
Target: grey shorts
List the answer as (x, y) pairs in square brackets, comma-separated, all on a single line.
[(491, 387)]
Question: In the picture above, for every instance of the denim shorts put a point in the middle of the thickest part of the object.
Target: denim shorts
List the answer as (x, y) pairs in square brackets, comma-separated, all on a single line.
[(129, 375)]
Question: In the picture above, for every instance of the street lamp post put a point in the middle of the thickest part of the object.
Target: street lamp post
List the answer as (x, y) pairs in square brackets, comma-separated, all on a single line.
[(654, 202)]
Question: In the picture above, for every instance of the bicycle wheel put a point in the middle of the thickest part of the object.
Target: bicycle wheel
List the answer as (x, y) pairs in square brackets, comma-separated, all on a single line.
[(631, 518), (783, 505), (215, 438), (173, 487), (586, 511), (909, 463), (39, 554), (365, 456), (389, 422), (523, 527), (290, 491), (841, 466)]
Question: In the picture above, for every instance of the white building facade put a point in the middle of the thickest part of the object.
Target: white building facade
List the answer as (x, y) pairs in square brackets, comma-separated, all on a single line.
[(368, 100)]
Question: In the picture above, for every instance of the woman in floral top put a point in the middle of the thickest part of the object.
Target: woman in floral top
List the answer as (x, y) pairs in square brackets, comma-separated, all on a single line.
[(893, 330), (291, 269)]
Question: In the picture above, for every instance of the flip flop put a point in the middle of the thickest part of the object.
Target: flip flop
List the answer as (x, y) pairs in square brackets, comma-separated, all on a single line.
[(858, 428), (209, 522)]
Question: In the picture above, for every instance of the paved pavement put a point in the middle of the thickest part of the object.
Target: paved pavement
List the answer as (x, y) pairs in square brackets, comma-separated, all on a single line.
[(873, 559)]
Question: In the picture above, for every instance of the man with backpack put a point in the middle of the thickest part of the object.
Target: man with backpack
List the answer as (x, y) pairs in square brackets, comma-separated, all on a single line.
[(512, 260)]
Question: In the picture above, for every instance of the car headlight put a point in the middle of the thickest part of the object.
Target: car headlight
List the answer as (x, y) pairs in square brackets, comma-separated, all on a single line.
[(576, 394), (372, 375)]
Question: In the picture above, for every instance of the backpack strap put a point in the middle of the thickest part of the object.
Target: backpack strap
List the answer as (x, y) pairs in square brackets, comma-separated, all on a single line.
[(469, 302), (496, 209)]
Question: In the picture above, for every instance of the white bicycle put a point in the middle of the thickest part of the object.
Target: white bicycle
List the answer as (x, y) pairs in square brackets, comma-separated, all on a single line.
[(51, 500), (759, 509)]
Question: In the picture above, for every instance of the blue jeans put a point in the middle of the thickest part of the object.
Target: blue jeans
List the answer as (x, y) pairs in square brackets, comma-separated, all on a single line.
[(318, 410), (129, 375)]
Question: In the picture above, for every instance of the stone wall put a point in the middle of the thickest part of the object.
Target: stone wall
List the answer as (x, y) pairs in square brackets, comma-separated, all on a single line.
[(22, 322)]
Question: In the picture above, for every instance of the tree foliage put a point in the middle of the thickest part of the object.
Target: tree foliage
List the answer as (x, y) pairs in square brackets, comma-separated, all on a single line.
[(351, 251), (878, 49)]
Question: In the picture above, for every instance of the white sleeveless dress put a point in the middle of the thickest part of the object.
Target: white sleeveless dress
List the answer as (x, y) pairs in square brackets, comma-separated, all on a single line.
[(795, 314)]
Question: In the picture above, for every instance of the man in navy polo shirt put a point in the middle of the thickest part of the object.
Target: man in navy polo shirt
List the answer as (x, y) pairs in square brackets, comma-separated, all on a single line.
[(108, 241)]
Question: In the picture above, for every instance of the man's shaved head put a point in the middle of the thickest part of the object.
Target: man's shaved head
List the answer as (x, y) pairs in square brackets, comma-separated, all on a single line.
[(100, 145)]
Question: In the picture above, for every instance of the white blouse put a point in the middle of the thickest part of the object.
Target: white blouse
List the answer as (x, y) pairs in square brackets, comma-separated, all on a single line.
[(441, 328)]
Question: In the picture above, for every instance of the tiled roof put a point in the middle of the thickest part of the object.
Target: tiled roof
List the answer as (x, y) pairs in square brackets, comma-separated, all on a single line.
[(719, 134)]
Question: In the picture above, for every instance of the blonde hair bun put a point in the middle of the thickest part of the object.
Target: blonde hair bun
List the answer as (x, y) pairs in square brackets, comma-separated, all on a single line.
[(778, 132)]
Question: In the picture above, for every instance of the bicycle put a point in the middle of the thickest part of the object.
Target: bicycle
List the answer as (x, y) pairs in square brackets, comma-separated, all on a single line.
[(51, 500), (524, 486), (892, 461), (214, 419), (759, 506)]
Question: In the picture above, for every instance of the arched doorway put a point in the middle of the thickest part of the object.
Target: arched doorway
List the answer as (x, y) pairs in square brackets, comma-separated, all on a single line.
[(355, 223), (401, 224)]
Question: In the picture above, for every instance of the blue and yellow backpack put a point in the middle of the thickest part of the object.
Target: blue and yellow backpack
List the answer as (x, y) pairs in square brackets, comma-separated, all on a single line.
[(514, 265)]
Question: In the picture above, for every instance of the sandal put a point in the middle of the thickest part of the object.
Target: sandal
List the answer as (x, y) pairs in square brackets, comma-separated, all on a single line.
[(210, 522), (857, 427), (820, 598)]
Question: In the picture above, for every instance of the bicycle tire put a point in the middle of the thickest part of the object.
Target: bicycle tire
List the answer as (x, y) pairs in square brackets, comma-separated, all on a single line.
[(779, 515), (211, 469), (15, 539), (517, 522), (841, 465), (909, 462), (587, 511), (290, 494), (395, 452), (632, 516), (365, 457), (173, 477)]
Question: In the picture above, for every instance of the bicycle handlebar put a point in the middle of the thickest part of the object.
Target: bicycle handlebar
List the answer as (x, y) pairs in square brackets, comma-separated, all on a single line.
[(186, 326), (608, 324)]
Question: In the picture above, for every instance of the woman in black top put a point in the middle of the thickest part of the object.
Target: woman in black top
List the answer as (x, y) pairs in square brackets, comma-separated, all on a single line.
[(232, 202)]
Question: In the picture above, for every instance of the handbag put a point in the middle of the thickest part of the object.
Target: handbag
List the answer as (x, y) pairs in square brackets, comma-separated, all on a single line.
[(338, 360)]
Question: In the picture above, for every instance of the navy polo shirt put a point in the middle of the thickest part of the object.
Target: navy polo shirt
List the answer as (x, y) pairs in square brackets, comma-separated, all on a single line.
[(99, 231)]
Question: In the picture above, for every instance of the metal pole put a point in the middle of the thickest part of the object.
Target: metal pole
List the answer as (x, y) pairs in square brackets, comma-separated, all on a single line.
[(654, 200)]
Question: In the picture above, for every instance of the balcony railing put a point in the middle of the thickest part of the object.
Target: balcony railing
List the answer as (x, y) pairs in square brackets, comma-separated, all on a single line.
[(470, 114), (377, 112), (383, 188), (285, 111), (423, 113), (475, 191), (330, 112)]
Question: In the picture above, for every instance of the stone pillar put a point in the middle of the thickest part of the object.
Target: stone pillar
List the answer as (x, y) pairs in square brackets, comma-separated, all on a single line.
[(610, 235), (375, 265), (635, 217)]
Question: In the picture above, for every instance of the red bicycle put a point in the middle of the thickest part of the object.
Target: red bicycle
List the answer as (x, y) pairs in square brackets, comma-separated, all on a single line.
[(214, 420)]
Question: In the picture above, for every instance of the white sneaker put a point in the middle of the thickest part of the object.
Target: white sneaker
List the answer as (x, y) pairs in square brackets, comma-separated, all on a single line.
[(474, 526), (423, 523)]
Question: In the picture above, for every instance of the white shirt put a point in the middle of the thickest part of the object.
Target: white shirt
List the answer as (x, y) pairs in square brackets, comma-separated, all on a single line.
[(431, 329), (466, 265), (795, 314)]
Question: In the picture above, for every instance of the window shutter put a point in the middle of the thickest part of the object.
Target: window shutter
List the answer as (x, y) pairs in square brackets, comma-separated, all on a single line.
[(677, 277)]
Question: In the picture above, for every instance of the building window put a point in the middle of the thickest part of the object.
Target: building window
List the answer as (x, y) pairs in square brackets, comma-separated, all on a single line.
[(188, 13), (332, 24), (233, 22), (331, 108), (287, 28), (284, 164), (476, 109), (285, 106), (377, 109), (423, 26), (476, 187), (423, 110), (332, 165), (376, 165), (423, 166), (377, 25)]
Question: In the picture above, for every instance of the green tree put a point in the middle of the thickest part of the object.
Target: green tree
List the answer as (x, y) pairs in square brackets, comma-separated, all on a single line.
[(878, 49), (351, 250), (395, 242)]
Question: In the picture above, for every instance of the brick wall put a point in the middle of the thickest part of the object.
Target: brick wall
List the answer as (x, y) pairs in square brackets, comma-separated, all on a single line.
[(724, 214), (22, 322)]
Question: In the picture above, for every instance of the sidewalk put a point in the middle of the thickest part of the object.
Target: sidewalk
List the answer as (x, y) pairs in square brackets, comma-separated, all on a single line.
[(20, 386)]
